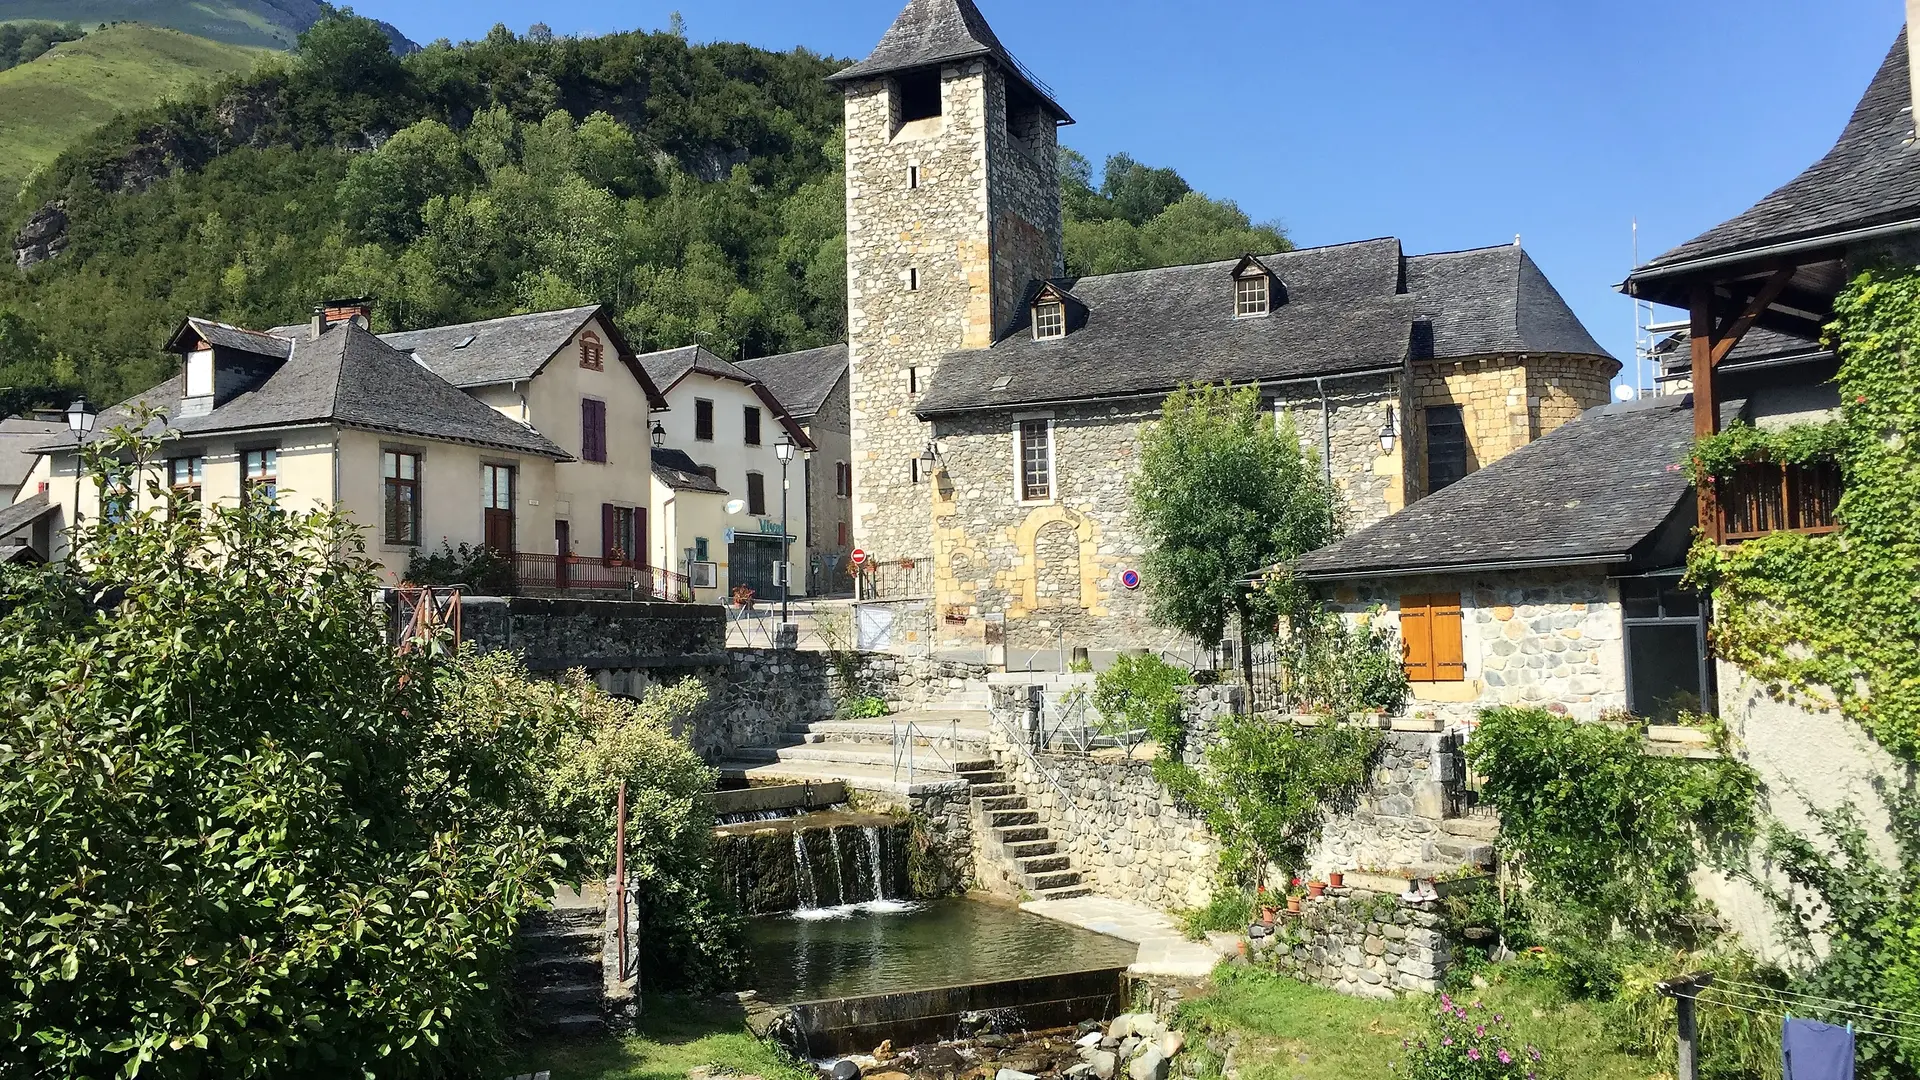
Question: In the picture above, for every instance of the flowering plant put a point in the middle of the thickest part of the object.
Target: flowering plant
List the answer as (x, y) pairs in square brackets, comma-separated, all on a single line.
[(1465, 1042)]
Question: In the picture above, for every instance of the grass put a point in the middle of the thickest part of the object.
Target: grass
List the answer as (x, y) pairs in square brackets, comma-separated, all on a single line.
[(238, 22), (50, 103), (1291, 1031), (675, 1035)]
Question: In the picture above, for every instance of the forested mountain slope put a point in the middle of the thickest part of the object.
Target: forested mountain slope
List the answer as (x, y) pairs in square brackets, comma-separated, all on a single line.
[(50, 101), (696, 189)]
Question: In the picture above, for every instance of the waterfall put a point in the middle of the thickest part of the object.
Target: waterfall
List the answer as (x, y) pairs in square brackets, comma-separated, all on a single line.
[(876, 859), (809, 893), (839, 868)]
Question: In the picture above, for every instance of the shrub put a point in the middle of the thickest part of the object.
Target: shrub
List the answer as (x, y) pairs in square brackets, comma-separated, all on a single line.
[(1335, 667), (1142, 693), (864, 707), (484, 571), (1227, 909), (1469, 1043)]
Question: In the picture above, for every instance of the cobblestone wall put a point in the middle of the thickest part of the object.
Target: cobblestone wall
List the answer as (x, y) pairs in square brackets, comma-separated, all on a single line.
[(1505, 401), (1345, 430), (1400, 821), (940, 862), (554, 635), (1365, 944)]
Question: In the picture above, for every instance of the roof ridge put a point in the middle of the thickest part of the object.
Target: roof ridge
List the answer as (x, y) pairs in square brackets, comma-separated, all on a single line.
[(1468, 251), (489, 322)]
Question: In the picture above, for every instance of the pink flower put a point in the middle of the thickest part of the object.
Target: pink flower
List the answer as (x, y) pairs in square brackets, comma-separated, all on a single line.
[(1448, 1041), (1533, 1052), (1505, 1058), (1473, 1055), (1480, 1030)]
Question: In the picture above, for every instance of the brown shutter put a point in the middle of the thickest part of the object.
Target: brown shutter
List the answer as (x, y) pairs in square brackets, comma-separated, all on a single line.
[(609, 536), (641, 553), (1449, 648), (1416, 636)]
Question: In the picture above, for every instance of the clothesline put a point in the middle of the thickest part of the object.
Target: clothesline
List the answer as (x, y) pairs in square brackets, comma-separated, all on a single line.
[(1781, 997), (1776, 1016), (1912, 1016)]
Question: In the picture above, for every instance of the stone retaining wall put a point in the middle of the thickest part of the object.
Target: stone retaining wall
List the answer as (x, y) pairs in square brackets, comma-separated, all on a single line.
[(1365, 944), (1396, 824), (554, 635), (940, 860)]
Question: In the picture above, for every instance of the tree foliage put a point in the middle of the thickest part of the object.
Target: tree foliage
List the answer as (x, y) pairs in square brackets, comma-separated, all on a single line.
[(1223, 493), (695, 189), (246, 838), (23, 42)]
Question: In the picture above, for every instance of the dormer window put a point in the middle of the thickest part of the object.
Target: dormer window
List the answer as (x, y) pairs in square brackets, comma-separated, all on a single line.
[(1250, 296), (199, 374), (1049, 320)]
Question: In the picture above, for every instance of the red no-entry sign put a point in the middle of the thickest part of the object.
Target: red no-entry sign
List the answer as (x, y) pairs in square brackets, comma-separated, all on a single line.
[(859, 556)]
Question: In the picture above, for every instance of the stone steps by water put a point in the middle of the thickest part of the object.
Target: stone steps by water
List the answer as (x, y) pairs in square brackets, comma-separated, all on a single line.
[(557, 965), (1029, 856)]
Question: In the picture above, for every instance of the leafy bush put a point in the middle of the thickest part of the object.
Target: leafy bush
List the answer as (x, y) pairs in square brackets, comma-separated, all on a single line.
[(864, 707), (1229, 909), (1598, 825), (1469, 1043), (1142, 693), (484, 571), (1336, 667)]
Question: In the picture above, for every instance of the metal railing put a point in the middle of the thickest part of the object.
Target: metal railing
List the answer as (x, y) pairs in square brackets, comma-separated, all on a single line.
[(1020, 736), (905, 734), (899, 579), (575, 575)]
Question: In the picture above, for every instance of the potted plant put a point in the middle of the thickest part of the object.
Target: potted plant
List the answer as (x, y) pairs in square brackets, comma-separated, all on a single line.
[(1316, 889), (1265, 904), (1336, 879), (1293, 905)]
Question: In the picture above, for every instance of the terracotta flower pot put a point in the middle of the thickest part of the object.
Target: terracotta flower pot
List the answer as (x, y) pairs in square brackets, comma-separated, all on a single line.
[(1316, 888), (1268, 913), (1293, 905), (1336, 878)]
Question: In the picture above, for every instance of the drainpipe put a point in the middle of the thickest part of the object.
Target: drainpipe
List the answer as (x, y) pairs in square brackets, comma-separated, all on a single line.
[(1326, 417)]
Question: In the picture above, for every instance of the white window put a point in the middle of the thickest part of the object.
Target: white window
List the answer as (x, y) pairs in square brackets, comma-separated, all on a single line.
[(1033, 442), (1049, 320), (200, 373), (1250, 296)]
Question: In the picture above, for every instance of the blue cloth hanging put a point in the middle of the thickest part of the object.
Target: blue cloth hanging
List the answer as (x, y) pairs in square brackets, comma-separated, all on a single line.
[(1811, 1050)]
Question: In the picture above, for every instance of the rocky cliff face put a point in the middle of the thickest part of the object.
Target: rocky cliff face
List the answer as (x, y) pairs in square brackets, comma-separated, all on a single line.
[(42, 237)]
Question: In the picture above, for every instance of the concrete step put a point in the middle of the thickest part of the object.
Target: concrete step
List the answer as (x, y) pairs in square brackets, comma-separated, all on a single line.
[(999, 802), (1019, 834), (1484, 829), (1031, 849), (1043, 864), (981, 776), (872, 779), (1002, 819), (988, 791), (1465, 852), (1067, 892), (575, 1024), (566, 941), (968, 766), (850, 754), (1057, 879), (883, 732)]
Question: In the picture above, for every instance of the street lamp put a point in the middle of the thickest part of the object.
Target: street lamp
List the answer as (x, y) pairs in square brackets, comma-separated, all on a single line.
[(1390, 432), (659, 435), (784, 451), (80, 418)]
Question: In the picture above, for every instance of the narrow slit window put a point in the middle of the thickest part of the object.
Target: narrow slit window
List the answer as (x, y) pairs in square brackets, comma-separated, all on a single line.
[(913, 279), (1049, 320), (913, 380), (913, 176)]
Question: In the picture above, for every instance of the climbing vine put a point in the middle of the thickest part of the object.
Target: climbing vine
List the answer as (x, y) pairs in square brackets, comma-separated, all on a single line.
[(1839, 615)]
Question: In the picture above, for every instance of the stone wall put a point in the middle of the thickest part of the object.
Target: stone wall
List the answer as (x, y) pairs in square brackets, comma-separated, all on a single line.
[(1369, 482), (554, 635), (1506, 402), (1365, 944), (1549, 639), (1401, 821), (941, 858)]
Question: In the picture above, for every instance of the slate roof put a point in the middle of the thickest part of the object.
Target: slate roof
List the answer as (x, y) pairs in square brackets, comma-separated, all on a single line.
[(667, 367), (273, 344), (801, 380), (1592, 490), (498, 350), (678, 470), (1348, 308), (349, 377), (1871, 176), (25, 512), (18, 439), (930, 32)]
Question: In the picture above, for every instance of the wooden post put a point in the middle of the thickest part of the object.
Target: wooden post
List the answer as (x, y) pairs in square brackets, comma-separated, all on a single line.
[(1706, 404), (1683, 991)]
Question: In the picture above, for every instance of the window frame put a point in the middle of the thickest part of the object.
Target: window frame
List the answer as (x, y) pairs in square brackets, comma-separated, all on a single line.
[(1700, 619), (750, 422), (200, 360), (756, 493), (1052, 314), (1427, 427), (1420, 618), (703, 417), (1023, 487), (194, 485), (592, 352), (269, 477), (1245, 307), (400, 530), (842, 480), (593, 430)]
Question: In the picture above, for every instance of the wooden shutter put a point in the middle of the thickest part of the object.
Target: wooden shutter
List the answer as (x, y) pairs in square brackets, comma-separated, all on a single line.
[(1416, 636), (1449, 648), (609, 535), (641, 552)]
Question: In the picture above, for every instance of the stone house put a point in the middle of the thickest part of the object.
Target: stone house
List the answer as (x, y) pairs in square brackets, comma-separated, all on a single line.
[(20, 438), (730, 425), (813, 386), (332, 418), (1550, 578), (996, 405)]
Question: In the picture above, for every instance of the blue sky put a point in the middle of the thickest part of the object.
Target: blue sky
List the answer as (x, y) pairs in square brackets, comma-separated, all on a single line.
[(1448, 124)]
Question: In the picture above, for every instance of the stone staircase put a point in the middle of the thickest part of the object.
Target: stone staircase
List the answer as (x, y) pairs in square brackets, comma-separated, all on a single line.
[(557, 967), (1025, 849)]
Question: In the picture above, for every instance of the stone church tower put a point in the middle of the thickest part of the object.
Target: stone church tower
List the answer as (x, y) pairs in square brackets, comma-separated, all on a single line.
[(953, 210)]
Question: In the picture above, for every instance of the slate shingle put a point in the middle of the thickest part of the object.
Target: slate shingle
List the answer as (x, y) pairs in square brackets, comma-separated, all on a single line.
[(678, 470), (930, 32), (801, 380), (1592, 489)]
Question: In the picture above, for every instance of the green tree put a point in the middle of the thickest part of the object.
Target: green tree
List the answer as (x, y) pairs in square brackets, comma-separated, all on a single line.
[(1223, 493), (386, 193)]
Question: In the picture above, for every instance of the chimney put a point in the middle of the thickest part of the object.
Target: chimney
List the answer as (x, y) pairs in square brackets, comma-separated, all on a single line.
[(1913, 62), (319, 324), (358, 310)]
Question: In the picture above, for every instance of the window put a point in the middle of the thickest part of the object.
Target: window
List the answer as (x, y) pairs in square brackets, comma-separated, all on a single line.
[(591, 351), (913, 177), (914, 475), (1446, 446), (623, 534), (1036, 459), (703, 420), (1666, 646), (913, 380), (756, 494), (700, 549), (185, 475), (919, 94), (709, 472), (402, 473), (1250, 296), (1761, 497), (593, 430), (199, 373), (1049, 320), (1430, 637), (840, 533), (752, 418), (260, 475), (496, 506), (913, 279), (842, 479)]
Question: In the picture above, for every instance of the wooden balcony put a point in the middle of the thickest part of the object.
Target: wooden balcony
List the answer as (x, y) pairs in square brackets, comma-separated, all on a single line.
[(1764, 497)]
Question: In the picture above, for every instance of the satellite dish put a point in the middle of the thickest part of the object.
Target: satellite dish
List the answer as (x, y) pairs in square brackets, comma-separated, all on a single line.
[(735, 506), (1623, 392)]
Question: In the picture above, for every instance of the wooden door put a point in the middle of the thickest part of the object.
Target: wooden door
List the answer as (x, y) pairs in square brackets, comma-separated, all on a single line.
[(497, 482), (562, 551)]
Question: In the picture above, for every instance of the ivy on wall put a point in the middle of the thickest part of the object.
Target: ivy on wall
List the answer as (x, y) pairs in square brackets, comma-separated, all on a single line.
[(1838, 616)]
